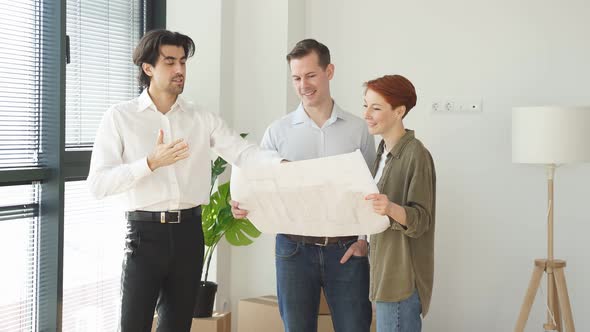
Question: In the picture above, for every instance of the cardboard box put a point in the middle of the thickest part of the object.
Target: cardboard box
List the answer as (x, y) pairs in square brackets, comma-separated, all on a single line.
[(259, 314), (219, 322), (262, 314)]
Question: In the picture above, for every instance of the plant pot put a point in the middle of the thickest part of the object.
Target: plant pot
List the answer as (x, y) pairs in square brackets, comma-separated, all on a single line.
[(205, 299)]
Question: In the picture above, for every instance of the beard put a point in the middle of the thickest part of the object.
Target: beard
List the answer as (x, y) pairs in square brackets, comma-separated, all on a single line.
[(175, 89)]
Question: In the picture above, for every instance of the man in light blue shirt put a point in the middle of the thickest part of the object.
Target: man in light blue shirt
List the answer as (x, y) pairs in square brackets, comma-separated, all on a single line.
[(319, 128), (299, 137)]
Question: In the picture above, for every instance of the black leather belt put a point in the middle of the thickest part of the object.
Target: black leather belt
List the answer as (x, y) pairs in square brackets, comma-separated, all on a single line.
[(320, 240), (165, 217)]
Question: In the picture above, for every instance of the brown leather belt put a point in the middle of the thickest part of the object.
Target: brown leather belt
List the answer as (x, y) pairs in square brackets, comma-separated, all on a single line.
[(320, 240)]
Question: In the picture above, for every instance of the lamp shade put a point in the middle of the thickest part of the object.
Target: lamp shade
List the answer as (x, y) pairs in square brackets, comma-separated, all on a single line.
[(550, 135)]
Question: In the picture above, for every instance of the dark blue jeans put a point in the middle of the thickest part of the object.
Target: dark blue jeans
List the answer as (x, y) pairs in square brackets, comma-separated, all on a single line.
[(161, 268), (303, 269)]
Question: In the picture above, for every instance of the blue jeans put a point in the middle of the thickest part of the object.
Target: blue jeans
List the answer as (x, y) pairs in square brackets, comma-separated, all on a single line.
[(403, 316), (302, 271)]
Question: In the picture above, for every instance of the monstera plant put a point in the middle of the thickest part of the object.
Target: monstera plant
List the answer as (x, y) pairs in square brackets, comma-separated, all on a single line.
[(218, 222)]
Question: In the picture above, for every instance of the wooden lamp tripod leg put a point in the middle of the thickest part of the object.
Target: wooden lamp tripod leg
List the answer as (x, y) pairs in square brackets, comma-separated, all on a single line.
[(555, 306), (564, 299), (529, 298)]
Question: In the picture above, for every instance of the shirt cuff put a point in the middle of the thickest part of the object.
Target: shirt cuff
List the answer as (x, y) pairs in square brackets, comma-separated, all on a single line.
[(140, 169), (362, 237), (396, 225)]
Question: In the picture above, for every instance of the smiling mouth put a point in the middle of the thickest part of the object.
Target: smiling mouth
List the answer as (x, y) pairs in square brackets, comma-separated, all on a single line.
[(308, 93)]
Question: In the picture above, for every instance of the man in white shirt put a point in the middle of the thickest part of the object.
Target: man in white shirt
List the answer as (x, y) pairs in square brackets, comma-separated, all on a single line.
[(156, 148), (305, 265)]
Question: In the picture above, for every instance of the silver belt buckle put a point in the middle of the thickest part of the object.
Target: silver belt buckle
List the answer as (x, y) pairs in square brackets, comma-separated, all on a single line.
[(163, 218), (325, 242), (177, 221)]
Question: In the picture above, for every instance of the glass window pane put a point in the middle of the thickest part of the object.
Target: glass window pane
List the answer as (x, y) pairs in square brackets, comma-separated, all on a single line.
[(103, 34), (18, 245), (20, 73), (93, 251)]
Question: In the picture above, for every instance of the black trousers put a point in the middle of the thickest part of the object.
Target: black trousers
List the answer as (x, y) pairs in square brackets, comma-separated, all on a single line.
[(161, 269)]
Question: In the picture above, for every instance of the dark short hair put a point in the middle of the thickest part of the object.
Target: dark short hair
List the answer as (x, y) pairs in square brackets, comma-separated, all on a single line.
[(396, 90), (307, 46), (148, 49)]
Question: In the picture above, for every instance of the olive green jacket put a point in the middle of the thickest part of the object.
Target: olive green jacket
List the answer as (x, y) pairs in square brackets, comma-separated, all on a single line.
[(402, 257)]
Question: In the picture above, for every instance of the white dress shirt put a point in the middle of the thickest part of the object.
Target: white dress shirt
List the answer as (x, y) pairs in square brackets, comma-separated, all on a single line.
[(128, 134)]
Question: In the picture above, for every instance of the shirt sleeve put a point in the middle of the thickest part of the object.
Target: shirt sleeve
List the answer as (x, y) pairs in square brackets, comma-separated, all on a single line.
[(108, 174), (268, 142), (236, 150), (420, 200)]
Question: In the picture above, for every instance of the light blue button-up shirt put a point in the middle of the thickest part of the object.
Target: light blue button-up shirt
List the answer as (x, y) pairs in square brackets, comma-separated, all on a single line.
[(296, 137)]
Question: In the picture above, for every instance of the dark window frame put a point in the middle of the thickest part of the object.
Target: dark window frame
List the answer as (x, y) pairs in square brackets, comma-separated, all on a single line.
[(60, 165)]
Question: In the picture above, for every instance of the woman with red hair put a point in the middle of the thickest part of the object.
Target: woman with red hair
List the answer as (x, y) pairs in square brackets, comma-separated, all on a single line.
[(401, 257)]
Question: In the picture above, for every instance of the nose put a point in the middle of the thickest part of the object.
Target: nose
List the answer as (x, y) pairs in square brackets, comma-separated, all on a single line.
[(304, 83), (178, 67)]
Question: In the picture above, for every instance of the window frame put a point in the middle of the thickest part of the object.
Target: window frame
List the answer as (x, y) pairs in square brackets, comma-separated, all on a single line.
[(61, 165)]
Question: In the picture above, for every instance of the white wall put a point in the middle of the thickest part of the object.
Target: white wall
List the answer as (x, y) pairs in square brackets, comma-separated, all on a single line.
[(490, 212), (200, 20)]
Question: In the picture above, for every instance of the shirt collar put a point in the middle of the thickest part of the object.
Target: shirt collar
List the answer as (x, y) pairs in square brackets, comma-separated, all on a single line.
[(180, 103), (300, 116), (145, 102), (399, 147)]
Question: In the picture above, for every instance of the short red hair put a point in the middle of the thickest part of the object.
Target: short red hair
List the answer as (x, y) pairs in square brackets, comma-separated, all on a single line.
[(396, 89)]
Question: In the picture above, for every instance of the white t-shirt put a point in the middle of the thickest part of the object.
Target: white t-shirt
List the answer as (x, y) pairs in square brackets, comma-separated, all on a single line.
[(382, 161)]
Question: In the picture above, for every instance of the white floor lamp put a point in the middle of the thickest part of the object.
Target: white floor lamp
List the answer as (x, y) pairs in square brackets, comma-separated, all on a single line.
[(550, 136)]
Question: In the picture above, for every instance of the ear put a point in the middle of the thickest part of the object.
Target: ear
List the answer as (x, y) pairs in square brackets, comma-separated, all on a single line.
[(147, 69), (400, 111), (330, 71)]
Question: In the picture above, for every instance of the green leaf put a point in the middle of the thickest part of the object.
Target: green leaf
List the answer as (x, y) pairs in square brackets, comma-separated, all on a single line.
[(218, 221), (224, 192), (241, 232), (217, 168), (209, 220), (213, 227)]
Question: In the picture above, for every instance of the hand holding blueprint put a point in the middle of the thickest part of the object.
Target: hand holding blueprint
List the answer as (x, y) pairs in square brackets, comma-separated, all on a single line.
[(318, 197)]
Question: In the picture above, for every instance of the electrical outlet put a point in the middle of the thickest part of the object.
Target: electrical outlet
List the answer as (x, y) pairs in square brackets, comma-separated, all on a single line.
[(450, 106), (468, 105), (456, 105), (436, 106)]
